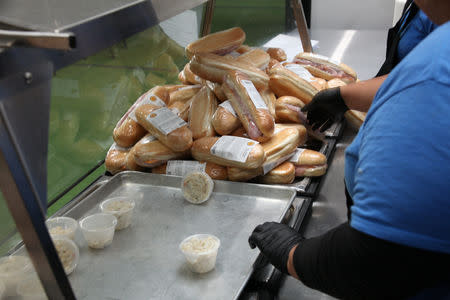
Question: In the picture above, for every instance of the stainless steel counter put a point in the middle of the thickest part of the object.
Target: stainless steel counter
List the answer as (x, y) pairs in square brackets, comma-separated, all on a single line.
[(363, 50)]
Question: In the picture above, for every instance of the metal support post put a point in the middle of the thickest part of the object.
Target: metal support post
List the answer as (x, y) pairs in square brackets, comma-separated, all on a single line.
[(207, 17), (302, 27)]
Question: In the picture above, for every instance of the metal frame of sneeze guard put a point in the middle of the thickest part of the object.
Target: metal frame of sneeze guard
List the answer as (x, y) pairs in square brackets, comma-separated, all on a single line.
[(25, 78)]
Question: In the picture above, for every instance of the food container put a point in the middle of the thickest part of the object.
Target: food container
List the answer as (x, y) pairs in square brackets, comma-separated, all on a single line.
[(98, 229), (122, 208), (68, 253), (197, 187), (31, 289), (62, 227), (200, 251), (14, 269)]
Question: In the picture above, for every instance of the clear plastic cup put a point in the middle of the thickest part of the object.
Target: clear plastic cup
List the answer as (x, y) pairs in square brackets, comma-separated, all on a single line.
[(200, 251), (197, 187), (14, 269), (98, 229), (62, 227), (122, 208), (31, 289), (68, 253)]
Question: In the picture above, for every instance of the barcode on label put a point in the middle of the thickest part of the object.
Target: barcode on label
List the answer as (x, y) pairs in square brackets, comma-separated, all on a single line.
[(233, 148), (147, 98), (254, 94), (296, 156), (267, 167), (300, 71), (165, 120), (184, 167), (227, 106)]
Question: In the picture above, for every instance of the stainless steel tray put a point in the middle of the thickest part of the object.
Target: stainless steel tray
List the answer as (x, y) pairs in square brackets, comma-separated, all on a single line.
[(144, 261)]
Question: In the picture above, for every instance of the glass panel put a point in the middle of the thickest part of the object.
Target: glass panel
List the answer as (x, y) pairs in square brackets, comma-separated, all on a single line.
[(89, 97), (260, 19)]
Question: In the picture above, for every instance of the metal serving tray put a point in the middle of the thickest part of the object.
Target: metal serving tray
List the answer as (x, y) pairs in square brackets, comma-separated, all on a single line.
[(144, 261)]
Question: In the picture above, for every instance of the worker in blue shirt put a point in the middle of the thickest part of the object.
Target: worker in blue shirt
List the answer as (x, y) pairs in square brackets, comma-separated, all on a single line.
[(397, 243)]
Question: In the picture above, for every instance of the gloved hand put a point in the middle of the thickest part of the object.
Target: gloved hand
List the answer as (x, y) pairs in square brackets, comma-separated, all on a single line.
[(275, 240), (326, 107)]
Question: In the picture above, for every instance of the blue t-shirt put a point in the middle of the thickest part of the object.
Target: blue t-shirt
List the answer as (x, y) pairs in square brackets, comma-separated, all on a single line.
[(418, 29), (398, 167)]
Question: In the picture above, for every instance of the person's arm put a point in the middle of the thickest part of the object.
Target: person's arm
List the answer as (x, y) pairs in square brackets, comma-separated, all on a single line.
[(330, 105), (346, 263), (359, 95)]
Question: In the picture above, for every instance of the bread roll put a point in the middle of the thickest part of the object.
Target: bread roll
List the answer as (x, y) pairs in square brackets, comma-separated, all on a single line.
[(166, 126), (215, 171), (277, 53), (183, 94), (225, 119), (219, 43), (283, 174), (235, 150), (256, 57), (203, 107)]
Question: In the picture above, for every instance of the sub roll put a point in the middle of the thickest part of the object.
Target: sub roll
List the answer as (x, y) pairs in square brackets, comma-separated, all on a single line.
[(256, 57), (283, 174), (201, 113), (309, 163), (229, 151), (249, 106), (214, 68), (166, 126), (225, 119), (284, 82), (220, 43), (323, 67), (149, 152), (277, 54), (128, 131)]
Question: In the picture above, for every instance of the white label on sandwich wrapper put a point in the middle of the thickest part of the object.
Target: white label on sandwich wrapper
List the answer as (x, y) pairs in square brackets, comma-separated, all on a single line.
[(296, 156), (233, 148), (267, 167), (165, 120), (300, 71), (147, 98), (183, 167), (227, 106), (329, 59), (254, 94)]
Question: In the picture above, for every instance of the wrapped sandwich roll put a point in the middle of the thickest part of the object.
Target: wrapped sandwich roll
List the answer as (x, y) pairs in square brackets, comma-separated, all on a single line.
[(272, 64), (324, 67), (225, 119), (243, 49), (217, 90), (249, 106), (203, 107), (191, 78), (302, 72), (183, 94), (229, 151), (166, 126), (130, 162), (289, 109), (115, 160), (149, 152), (284, 82), (277, 54), (269, 98), (256, 57), (299, 127), (183, 167), (214, 68), (336, 82), (283, 174), (128, 131), (309, 163), (277, 150), (220, 43), (181, 109)]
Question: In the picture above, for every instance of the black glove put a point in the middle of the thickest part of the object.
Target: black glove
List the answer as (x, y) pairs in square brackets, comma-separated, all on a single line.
[(326, 107), (275, 241)]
